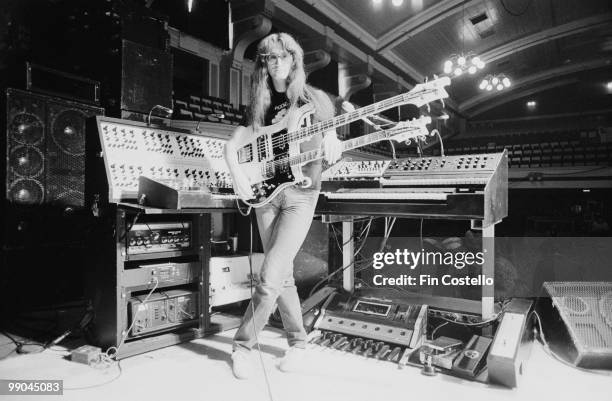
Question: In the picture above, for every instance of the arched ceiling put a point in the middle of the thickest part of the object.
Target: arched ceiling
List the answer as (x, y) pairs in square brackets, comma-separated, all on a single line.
[(534, 42)]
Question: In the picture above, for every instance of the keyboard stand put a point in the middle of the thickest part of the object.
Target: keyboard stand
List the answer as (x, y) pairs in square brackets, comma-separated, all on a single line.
[(484, 307)]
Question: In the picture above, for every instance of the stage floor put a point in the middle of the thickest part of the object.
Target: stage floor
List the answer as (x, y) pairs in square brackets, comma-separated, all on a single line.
[(200, 370)]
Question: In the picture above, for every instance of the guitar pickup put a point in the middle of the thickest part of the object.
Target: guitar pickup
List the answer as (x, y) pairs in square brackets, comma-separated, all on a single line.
[(245, 154)]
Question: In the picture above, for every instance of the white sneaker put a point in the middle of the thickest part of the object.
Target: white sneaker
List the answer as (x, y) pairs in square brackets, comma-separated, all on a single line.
[(241, 364), (292, 359)]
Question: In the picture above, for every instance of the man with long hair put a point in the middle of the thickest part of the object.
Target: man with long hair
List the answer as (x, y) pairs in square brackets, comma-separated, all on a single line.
[(278, 88)]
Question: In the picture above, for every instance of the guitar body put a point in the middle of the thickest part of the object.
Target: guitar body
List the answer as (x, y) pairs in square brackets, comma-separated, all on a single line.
[(263, 153)]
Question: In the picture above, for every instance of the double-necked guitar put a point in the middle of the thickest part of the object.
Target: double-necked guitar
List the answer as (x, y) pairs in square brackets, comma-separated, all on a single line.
[(271, 158)]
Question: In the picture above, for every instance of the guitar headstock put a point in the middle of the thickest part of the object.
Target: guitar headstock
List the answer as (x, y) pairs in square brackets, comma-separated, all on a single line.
[(406, 130), (427, 92)]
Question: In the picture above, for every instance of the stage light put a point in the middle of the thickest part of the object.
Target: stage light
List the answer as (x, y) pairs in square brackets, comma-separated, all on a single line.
[(468, 63), (397, 3), (498, 82), (448, 66)]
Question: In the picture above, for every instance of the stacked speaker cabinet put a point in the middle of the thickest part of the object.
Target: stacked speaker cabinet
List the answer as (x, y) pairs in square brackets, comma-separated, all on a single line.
[(43, 169), (45, 149), (43, 223), (122, 44)]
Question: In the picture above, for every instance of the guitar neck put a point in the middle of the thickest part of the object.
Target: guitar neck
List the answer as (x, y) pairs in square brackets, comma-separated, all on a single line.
[(348, 118), (354, 143)]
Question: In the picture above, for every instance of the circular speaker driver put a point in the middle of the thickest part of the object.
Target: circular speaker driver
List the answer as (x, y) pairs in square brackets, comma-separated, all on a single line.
[(68, 132), (26, 129), (26, 191), (26, 161)]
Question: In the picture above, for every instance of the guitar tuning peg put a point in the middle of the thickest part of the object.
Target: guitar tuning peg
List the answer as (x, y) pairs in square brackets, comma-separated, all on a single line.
[(428, 108), (442, 101)]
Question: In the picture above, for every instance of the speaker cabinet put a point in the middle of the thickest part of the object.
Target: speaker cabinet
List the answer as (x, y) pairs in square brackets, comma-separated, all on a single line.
[(146, 78), (45, 149), (578, 321)]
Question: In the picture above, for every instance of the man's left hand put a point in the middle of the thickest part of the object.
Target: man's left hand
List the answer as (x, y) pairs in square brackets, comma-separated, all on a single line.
[(332, 147)]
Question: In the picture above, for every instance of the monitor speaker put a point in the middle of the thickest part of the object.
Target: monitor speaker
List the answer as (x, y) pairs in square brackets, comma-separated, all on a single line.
[(577, 319)]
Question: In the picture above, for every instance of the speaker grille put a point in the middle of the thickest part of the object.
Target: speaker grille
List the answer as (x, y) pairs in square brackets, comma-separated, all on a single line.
[(586, 308)]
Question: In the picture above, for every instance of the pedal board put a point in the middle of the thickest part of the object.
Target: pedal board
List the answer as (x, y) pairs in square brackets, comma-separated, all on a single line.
[(372, 327), (374, 318)]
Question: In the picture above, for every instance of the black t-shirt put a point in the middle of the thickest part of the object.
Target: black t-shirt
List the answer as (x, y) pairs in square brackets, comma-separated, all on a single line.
[(279, 105)]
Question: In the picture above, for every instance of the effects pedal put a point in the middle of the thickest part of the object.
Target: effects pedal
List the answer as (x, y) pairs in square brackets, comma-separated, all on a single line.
[(471, 360)]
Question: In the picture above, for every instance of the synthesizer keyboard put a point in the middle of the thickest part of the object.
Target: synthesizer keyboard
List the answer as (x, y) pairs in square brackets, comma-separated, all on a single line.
[(455, 187), (390, 194), (121, 152)]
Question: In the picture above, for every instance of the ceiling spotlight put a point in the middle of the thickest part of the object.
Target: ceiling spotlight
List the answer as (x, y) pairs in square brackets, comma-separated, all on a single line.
[(609, 86), (531, 104), (467, 63), (499, 82), (448, 66), (376, 2), (397, 3), (458, 71)]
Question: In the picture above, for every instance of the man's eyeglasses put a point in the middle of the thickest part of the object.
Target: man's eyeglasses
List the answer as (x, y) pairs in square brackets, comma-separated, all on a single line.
[(274, 57)]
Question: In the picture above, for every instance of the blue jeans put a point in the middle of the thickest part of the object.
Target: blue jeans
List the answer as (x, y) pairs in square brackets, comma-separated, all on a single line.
[(283, 224)]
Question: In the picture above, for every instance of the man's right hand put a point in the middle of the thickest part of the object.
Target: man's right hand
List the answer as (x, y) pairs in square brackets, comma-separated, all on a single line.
[(241, 184), (242, 187)]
